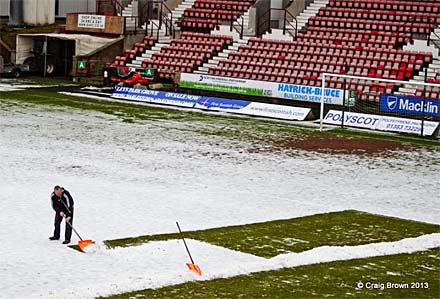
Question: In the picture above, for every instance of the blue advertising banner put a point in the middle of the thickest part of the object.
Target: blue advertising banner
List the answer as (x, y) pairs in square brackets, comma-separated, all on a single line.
[(221, 104), (409, 105), (209, 103), (155, 96)]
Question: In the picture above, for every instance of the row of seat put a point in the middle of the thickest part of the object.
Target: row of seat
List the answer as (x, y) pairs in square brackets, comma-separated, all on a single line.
[(169, 62), (371, 34), (430, 93), (119, 61), (342, 35), (351, 41), (331, 54), (223, 5), (259, 45), (384, 15), (206, 37), (198, 44), (176, 65), (389, 71), (350, 23), (138, 49), (419, 28), (211, 14), (190, 23), (418, 6), (362, 61), (436, 79), (187, 50), (197, 58)]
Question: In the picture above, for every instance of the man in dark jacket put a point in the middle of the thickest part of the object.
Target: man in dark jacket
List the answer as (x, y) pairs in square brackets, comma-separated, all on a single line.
[(62, 203)]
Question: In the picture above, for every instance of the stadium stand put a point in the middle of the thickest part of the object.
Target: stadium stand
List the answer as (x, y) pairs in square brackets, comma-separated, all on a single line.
[(208, 14), (359, 37), (363, 39), (188, 52)]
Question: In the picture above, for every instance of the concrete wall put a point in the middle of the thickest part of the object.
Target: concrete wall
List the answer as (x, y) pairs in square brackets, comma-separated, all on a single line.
[(261, 16), (172, 4), (4, 8), (113, 25), (39, 12), (298, 7), (277, 15), (96, 62), (68, 6)]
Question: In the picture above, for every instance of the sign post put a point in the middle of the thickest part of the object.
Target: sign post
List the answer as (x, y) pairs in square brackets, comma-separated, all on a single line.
[(81, 66), (149, 72)]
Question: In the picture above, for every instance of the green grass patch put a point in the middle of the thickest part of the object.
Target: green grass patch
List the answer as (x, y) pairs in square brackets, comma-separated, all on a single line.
[(46, 81), (269, 239), (333, 280)]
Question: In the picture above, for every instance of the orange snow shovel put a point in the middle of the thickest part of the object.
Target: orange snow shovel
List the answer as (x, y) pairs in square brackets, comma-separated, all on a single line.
[(81, 243), (191, 266)]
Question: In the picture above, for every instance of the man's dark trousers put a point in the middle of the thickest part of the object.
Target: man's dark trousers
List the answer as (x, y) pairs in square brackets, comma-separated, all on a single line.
[(57, 230)]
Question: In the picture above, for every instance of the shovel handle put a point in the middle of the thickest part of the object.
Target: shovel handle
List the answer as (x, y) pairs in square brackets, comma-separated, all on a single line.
[(186, 246), (68, 222)]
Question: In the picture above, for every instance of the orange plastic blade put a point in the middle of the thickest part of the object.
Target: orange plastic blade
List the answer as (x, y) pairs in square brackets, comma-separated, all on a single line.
[(84, 243), (194, 268)]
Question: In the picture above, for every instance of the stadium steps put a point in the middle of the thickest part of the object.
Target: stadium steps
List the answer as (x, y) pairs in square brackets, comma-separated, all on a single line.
[(435, 38), (178, 12), (246, 30), (163, 38), (180, 9), (277, 34), (311, 11), (147, 55), (222, 55), (129, 11), (409, 88)]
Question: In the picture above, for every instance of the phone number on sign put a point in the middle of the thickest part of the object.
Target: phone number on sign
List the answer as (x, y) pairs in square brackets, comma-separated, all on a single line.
[(405, 128)]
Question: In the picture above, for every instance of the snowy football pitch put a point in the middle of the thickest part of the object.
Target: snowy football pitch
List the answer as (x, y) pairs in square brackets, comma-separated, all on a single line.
[(134, 171)]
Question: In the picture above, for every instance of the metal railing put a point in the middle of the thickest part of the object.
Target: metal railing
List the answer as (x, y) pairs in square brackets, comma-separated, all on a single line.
[(264, 23), (293, 30), (116, 6), (166, 19), (436, 40), (239, 28), (150, 26), (138, 22)]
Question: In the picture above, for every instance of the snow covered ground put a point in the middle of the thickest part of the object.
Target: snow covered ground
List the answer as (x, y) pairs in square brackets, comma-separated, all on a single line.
[(13, 84), (138, 178)]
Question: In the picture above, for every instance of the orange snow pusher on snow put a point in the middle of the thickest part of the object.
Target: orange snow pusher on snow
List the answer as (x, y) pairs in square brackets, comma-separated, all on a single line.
[(191, 266), (81, 243)]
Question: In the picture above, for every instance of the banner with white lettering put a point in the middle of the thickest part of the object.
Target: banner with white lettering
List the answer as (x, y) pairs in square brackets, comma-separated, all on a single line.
[(155, 96), (382, 123), (254, 108), (409, 105), (359, 120), (209, 103), (405, 125), (260, 88)]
